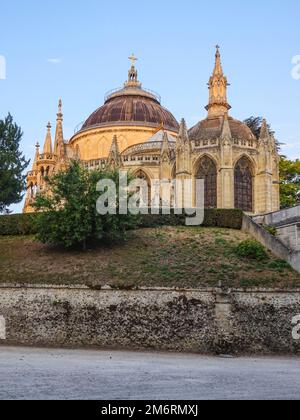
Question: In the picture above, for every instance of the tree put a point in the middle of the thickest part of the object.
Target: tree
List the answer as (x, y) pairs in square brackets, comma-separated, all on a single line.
[(68, 214), (12, 164), (289, 182), (255, 123)]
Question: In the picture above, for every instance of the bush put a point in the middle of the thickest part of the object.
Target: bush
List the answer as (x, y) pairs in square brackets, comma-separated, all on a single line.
[(18, 224), (251, 249)]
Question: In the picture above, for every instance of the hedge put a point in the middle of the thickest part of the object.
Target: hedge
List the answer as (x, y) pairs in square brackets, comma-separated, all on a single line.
[(24, 224), (223, 218), (17, 224)]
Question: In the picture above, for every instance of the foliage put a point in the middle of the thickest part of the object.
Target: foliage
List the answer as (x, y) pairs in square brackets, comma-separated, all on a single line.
[(224, 218), (289, 182), (17, 224), (68, 214), (25, 224), (251, 249), (12, 164), (271, 229), (255, 123)]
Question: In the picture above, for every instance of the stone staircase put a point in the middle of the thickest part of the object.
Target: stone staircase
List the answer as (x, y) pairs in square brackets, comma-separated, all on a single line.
[(287, 224), (286, 243)]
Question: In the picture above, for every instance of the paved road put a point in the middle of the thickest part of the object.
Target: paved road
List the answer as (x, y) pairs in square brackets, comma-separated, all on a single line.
[(27, 373)]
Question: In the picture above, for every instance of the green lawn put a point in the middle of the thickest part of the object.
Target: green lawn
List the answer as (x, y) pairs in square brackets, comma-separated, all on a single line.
[(165, 257)]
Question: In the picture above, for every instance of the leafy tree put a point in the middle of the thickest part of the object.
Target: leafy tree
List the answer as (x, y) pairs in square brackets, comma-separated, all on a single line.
[(289, 182), (12, 164), (68, 214)]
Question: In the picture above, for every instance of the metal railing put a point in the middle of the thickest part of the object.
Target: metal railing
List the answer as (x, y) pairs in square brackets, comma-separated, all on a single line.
[(120, 89)]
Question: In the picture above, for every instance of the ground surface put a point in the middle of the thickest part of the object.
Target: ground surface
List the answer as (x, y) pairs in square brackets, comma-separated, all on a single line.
[(180, 257), (99, 375)]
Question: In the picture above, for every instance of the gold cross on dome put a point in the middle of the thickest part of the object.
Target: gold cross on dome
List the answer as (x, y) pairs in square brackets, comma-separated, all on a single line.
[(133, 59)]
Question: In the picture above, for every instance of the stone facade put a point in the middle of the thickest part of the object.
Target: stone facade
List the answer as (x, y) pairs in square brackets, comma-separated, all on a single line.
[(133, 131), (200, 321)]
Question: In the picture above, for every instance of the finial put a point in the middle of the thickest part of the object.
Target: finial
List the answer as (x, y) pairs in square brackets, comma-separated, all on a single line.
[(132, 75), (37, 145), (218, 48), (49, 126), (133, 59), (60, 106)]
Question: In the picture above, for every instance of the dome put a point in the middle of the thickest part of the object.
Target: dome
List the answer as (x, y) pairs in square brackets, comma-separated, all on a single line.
[(132, 106), (211, 128)]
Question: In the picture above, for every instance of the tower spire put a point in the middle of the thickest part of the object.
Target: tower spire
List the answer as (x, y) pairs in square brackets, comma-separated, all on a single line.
[(59, 144), (218, 104), (36, 157), (47, 150)]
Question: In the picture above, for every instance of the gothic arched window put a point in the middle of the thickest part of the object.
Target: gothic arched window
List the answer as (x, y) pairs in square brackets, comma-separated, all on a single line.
[(243, 185), (208, 172)]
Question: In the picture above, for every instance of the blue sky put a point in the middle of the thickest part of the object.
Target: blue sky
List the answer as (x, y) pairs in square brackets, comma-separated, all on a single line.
[(78, 50)]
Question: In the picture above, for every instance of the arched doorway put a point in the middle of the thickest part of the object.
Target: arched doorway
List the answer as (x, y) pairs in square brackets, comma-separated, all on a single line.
[(243, 185), (207, 171)]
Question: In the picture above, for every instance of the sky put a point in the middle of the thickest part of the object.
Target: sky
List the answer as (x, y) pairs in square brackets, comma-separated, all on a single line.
[(78, 50)]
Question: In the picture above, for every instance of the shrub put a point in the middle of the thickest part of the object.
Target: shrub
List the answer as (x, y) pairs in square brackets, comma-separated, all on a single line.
[(17, 224), (68, 214), (251, 249), (272, 230)]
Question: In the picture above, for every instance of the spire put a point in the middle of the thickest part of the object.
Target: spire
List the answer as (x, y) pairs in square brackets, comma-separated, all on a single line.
[(226, 131), (132, 74), (218, 84), (183, 136), (165, 150), (59, 144), (47, 150), (37, 156), (114, 158), (264, 132)]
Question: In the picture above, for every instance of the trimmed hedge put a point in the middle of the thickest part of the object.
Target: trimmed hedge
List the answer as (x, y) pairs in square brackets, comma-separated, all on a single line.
[(24, 224), (17, 224), (223, 218)]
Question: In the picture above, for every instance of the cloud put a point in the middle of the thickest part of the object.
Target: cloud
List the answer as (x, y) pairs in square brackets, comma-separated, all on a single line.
[(54, 60)]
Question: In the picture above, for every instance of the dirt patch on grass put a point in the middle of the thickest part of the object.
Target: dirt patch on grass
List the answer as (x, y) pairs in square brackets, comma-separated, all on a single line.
[(164, 257)]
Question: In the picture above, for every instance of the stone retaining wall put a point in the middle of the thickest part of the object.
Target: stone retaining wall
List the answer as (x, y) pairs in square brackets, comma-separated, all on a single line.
[(202, 321)]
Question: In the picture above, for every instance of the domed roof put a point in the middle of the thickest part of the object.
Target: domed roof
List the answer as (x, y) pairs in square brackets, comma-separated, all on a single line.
[(132, 109), (211, 128), (132, 105)]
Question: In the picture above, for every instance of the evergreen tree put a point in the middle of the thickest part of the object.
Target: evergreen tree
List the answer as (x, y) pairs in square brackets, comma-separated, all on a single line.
[(12, 164)]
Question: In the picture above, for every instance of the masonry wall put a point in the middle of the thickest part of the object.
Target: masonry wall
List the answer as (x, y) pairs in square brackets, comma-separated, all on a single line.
[(202, 321), (290, 235), (279, 217)]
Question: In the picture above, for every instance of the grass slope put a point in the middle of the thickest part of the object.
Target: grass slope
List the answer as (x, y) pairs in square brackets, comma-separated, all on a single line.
[(166, 257)]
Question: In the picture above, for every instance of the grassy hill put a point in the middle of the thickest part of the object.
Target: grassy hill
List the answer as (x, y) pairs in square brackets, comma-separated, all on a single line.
[(165, 257)]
